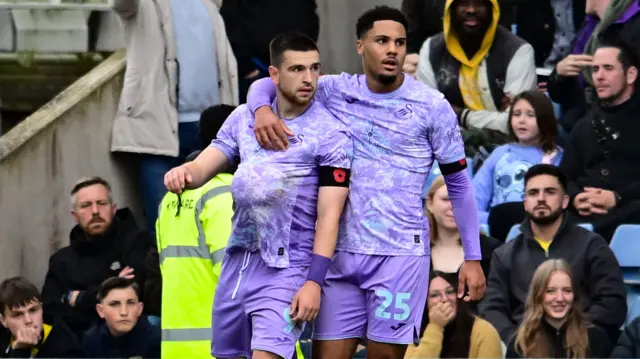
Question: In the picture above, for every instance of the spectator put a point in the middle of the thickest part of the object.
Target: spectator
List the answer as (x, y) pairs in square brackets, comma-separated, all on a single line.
[(125, 333), (602, 161), (446, 246), (554, 325), (550, 26), (570, 84), (499, 184), (251, 24), (450, 330), (25, 331), (179, 62), (425, 20), (479, 66), (547, 233), (196, 219), (105, 242), (629, 342)]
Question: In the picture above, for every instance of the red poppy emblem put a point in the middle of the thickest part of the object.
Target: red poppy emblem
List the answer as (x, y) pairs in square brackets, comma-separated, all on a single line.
[(339, 175), (463, 162)]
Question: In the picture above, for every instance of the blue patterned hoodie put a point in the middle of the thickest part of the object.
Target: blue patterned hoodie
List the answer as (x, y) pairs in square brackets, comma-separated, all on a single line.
[(501, 177)]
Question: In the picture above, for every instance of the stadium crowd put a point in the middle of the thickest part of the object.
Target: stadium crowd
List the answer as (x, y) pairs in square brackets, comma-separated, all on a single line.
[(486, 139)]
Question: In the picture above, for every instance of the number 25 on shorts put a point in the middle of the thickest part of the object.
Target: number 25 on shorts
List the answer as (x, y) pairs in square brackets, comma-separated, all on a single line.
[(400, 304)]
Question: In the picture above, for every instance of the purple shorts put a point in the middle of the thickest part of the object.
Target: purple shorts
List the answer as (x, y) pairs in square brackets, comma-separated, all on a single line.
[(251, 307), (380, 298)]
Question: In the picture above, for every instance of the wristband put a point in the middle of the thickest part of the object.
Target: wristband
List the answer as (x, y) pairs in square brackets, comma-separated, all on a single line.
[(318, 269)]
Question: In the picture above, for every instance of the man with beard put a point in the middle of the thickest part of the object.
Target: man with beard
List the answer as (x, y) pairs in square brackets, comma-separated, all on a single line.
[(106, 242), (479, 66), (376, 286), (601, 159), (547, 233), (287, 207)]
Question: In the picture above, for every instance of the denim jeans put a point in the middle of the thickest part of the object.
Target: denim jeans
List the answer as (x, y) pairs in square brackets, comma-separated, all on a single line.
[(153, 168)]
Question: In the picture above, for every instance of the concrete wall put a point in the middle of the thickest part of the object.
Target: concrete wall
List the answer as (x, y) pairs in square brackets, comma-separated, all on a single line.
[(42, 157)]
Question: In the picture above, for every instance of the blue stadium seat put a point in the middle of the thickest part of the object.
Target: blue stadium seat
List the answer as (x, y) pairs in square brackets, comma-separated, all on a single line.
[(484, 228), (587, 226), (625, 244), (633, 303), (513, 232)]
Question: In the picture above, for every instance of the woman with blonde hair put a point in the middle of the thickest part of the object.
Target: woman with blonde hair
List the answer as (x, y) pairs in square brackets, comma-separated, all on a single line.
[(554, 325), (447, 254)]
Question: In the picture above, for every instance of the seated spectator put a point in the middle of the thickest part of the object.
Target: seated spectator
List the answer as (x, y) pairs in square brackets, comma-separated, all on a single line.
[(570, 84), (554, 325), (547, 233), (499, 184), (447, 254), (449, 329), (125, 333), (601, 160), (425, 20), (105, 242), (628, 345), (26, 332), (479, 66)]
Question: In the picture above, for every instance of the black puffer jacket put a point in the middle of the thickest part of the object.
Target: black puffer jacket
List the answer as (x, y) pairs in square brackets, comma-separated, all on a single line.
[(628, 345), (596, 270), (86, 263)]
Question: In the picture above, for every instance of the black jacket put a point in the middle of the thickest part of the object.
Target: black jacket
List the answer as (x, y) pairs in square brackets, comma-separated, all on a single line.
[(252, 24), (536, 24), (86, 263), (593, 160), (628, 345), (60, 343), (595, 268), (142, 341), (599, 344)]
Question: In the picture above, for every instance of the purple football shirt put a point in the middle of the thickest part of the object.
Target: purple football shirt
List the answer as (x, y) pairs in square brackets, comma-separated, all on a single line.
[(275, 192), (396, 136)]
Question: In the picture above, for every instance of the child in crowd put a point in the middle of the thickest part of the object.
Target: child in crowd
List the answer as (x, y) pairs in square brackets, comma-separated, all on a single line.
[(500, 180)]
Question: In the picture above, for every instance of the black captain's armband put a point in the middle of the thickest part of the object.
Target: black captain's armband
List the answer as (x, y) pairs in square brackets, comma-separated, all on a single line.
[(334, 177), (450, 168)]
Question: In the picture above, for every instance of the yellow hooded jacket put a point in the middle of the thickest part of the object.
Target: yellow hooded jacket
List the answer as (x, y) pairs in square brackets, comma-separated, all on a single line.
[(469, 67)]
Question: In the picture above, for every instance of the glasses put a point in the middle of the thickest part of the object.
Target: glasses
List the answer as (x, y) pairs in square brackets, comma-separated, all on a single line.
[(448, 293)]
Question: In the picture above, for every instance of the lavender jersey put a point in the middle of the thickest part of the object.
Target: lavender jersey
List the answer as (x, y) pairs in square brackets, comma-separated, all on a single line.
[(396, 138), (275, 192)]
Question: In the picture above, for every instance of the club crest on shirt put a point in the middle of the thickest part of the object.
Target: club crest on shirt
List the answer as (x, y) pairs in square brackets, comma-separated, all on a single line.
[(404, 112), (296, 139)]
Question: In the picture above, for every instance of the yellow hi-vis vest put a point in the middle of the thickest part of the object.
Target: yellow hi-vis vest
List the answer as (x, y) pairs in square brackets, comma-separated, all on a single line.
[(192, 232)]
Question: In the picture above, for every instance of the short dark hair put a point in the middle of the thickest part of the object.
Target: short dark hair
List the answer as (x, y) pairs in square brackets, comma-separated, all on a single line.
[(628, 55), (117, 283), (545, 118), (17, 292), (289, 41), (545, 169), (211, 121), (89, 181), (379, 13)]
